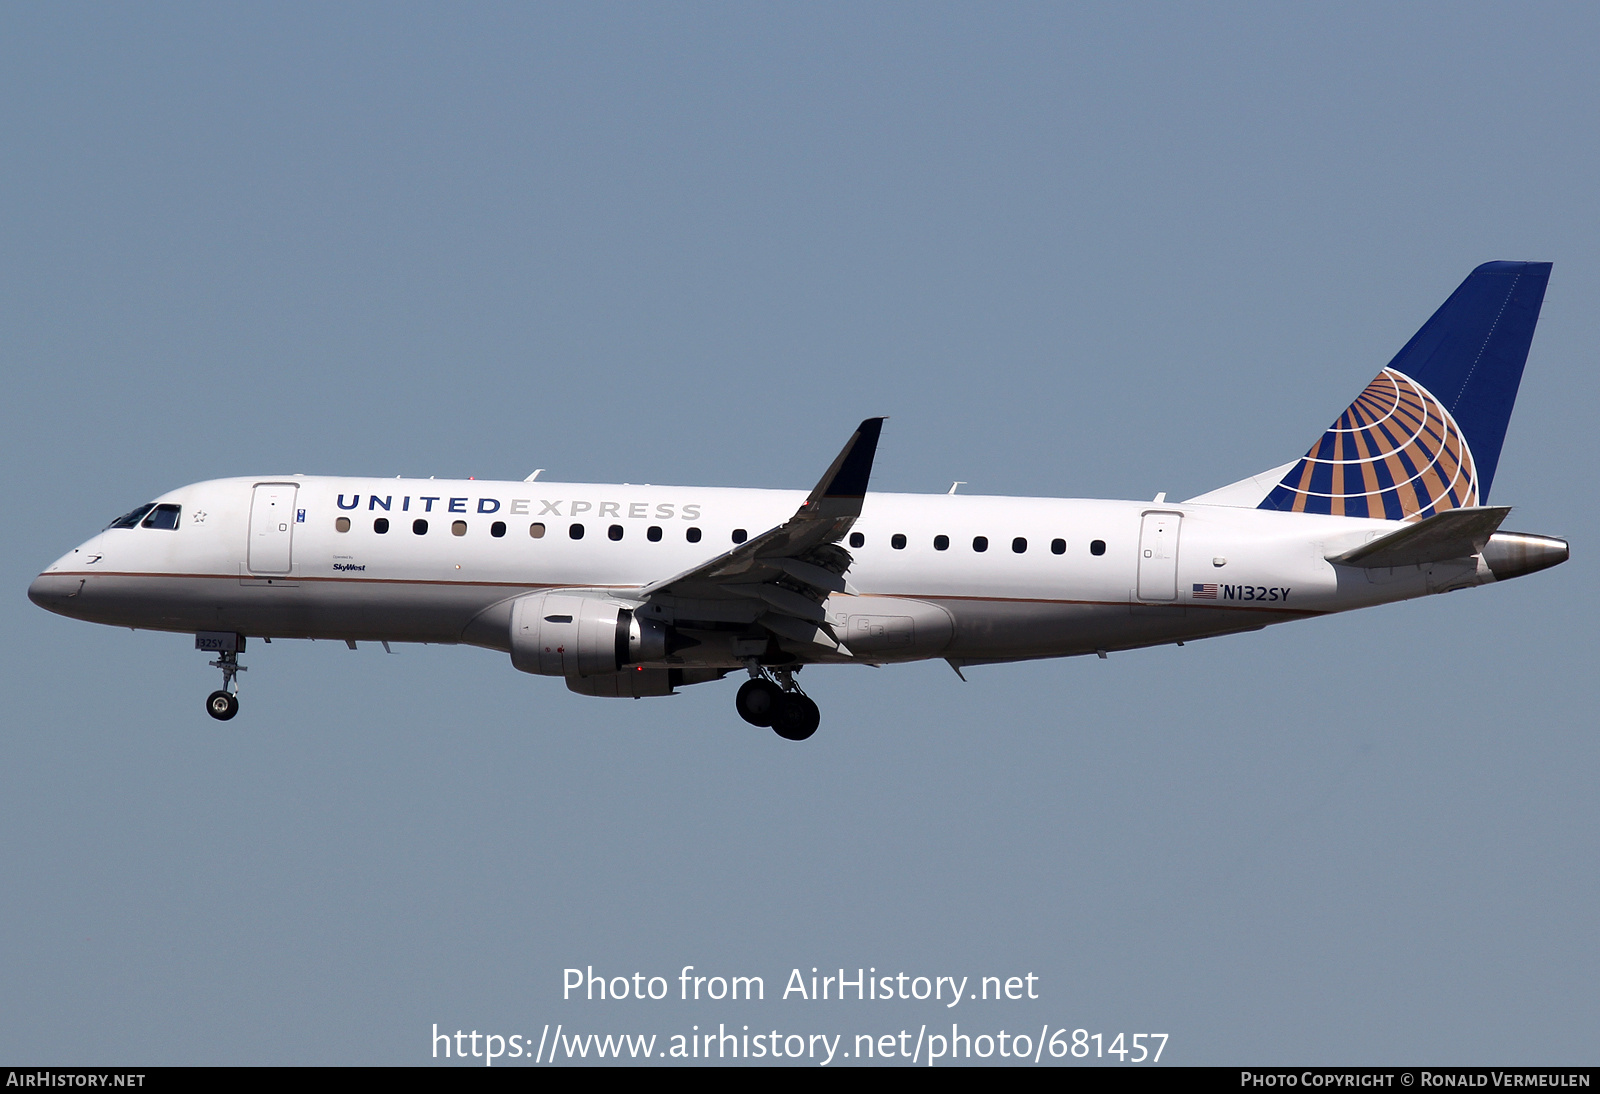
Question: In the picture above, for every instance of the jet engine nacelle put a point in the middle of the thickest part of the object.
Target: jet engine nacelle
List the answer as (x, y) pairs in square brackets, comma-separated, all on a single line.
[(581, 634)]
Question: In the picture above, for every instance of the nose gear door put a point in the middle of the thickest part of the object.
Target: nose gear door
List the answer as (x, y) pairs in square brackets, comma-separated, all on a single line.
[(272, 519)]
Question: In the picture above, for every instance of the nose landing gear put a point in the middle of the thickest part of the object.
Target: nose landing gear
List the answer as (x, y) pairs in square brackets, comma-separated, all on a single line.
[(223, 703), (781, 705)]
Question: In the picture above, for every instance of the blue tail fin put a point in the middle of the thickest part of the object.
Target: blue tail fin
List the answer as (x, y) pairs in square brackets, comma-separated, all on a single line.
[(1425, 435)]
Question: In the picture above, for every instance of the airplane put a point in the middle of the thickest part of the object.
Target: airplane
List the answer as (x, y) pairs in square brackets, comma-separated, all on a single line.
[(635, 591)]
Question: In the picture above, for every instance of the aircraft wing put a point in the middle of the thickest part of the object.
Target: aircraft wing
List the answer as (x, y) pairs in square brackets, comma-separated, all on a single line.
[(1454, 533), (791, 569)]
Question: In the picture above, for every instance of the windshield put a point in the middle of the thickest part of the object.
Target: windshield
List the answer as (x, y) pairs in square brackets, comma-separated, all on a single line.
[(164, 517), (131, 520)]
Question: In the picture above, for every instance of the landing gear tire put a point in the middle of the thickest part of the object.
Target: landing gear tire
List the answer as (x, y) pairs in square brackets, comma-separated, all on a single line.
[(222, 705), (797, 717), (759, 701)]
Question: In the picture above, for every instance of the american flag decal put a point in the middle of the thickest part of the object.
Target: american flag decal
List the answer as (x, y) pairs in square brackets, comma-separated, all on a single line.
[(1205, 592)]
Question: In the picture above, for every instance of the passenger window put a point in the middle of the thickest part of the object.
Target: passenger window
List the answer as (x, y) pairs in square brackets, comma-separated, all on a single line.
[(740, 535), (615, 532), (897, 541), (941, 543), (498, 529), (857, 539), (653, 534), (692, 535), (576, 531), (1019, 545), (536, 531), (342, 524), (419, 526), (980, 543), (381, 526), (1098, 547), (458, 528), (164, 517), (131, 520), (1058, 546)]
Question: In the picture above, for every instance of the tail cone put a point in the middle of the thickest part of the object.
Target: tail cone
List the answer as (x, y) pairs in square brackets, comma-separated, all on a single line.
[(1512, 554)]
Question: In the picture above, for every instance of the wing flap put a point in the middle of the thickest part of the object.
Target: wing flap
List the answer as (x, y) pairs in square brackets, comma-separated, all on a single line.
[(807, 634), (787, 601), (813, 575)]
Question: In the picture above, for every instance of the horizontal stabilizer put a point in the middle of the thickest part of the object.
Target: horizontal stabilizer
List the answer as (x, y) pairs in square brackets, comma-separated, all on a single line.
[(1454, 533)]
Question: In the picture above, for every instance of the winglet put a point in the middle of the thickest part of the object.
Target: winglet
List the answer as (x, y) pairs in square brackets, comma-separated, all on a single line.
[(844, 484), (795, 546)]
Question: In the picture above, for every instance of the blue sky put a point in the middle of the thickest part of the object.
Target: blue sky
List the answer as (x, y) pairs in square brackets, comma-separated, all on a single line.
[(1089, 250)]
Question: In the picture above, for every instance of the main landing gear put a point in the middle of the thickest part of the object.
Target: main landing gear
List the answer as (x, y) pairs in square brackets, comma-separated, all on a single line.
[(780, 705), (223, 703)]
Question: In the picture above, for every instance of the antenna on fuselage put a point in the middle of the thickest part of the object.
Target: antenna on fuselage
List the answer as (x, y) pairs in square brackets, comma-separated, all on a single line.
[(958, 482), (533, 476)]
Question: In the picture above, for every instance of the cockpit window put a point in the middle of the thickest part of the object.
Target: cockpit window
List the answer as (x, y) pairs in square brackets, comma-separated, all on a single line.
[(164, 517), (131, 520)]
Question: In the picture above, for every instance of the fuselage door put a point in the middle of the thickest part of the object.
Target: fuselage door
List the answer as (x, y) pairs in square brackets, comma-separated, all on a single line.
[(272, 520), (1158, 556)]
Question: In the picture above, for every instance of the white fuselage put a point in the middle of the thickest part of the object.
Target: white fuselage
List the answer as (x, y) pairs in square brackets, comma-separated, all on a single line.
[(267, 557)]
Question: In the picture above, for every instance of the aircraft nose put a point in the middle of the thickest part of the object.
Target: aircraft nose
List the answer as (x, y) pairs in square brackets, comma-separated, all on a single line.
[(54, 592)]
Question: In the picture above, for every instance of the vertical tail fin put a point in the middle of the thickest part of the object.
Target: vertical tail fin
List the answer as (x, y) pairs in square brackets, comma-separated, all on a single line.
[(1426, 434)]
